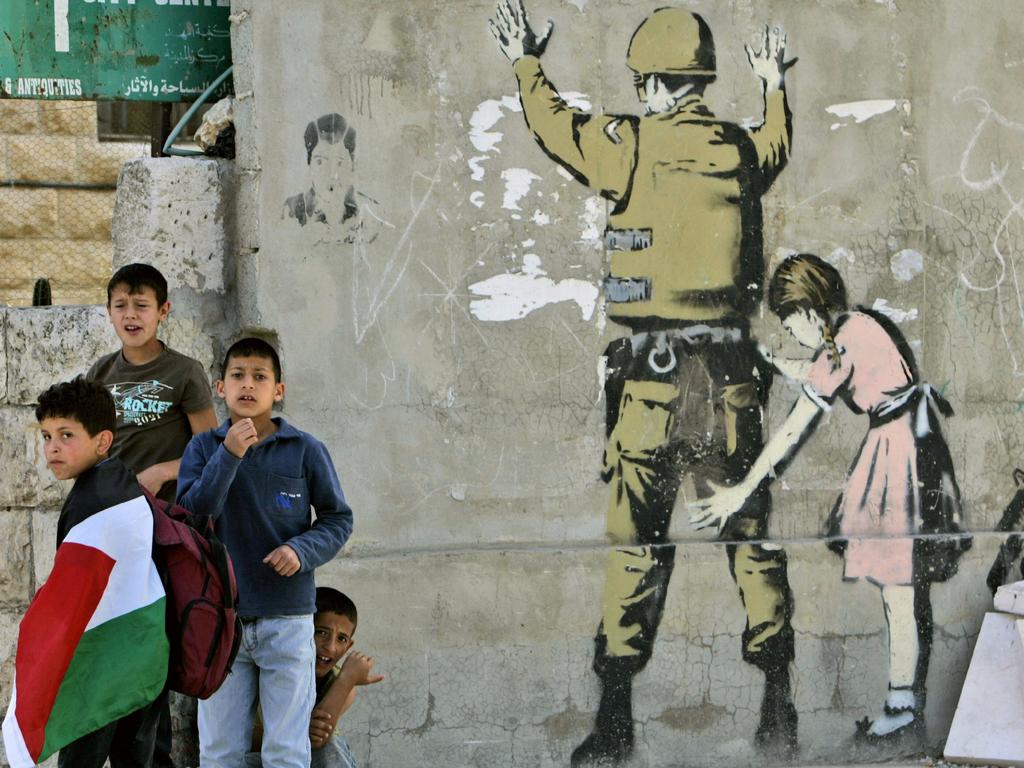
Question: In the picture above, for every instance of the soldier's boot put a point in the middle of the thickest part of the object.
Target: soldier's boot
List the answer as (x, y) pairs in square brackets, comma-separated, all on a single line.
[(776, 734), (611, 741)]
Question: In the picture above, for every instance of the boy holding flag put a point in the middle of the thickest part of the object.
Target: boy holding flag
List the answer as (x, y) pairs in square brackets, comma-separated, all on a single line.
[(92, 652)]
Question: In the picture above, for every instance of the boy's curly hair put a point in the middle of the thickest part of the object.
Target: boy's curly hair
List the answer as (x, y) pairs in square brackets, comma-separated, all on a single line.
[(87, 402)]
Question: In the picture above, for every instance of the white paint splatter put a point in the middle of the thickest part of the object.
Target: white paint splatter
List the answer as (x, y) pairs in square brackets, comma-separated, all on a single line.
[(513, 296), (841, 254), (592, 219), (485, 117), (895, 314), (477, 169), (581, 4), (865, 110), (906, 264), (517, 185), (540, 218), (477, 198)]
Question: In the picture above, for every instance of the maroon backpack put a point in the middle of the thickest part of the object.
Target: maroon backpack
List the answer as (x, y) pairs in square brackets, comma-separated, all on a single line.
[(203, 627)]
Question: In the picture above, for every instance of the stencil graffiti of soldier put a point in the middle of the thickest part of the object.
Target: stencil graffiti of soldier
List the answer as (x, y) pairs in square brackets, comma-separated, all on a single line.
[(685, 391)]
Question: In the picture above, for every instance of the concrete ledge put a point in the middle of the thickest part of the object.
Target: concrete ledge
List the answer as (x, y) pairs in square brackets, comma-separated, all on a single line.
[(170, 212)]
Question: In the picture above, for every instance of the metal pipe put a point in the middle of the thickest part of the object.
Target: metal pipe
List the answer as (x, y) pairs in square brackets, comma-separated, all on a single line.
[(56, 184), (168, 148)]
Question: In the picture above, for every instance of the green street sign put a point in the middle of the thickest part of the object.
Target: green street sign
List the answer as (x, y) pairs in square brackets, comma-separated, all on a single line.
[(138, 50)]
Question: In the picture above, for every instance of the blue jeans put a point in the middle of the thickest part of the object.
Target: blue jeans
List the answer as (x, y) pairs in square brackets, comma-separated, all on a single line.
[(275, 669), (334, 754)]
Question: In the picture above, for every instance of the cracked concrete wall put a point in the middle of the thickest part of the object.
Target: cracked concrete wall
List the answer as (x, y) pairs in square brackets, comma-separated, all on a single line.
[(445, 345)]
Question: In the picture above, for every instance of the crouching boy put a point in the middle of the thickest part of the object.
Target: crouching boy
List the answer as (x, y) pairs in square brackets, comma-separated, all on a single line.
[(334, 629), (262, 478)]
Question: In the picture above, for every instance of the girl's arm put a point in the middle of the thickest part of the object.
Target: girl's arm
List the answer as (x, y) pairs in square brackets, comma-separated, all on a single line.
[(783, 445), (790, 367)]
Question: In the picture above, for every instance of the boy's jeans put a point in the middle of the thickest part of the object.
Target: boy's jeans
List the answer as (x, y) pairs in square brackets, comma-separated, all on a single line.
[(275, 669), (334, 754)]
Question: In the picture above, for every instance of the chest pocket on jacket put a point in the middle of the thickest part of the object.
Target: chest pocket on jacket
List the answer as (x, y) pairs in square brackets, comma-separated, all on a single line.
[(289, 495)]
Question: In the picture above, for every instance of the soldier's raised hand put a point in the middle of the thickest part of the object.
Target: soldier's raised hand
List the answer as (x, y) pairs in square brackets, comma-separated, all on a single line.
[(769, 62), (512, 30)]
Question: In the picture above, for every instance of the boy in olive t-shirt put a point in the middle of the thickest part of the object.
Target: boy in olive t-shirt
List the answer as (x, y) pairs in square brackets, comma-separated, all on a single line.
[(162, 396)]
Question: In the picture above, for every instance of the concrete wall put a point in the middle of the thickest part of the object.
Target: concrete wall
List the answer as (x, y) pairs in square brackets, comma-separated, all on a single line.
[(445, 345), (62, 234)]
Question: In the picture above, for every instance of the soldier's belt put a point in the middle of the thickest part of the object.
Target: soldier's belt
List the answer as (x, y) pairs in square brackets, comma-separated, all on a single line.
[(626, 289), (628, 239)]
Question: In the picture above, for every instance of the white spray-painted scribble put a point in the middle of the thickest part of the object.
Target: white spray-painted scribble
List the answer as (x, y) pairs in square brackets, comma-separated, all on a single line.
[(372, 286), (1006, 284), (865, 110), (906, 265), (517, 185), (514, 295), (897, 315)]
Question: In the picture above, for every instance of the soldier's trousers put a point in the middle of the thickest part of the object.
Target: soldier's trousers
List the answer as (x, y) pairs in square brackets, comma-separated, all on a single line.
[(685, 402)]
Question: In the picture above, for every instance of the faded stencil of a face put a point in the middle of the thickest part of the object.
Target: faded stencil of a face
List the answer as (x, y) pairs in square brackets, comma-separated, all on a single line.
[(330, 152), (330, 170)]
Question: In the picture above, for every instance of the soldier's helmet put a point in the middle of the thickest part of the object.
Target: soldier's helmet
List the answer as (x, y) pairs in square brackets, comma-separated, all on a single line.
[(672, 41)]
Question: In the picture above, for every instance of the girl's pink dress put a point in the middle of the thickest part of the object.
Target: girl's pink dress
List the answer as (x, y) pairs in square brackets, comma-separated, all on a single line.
[(887, 496)]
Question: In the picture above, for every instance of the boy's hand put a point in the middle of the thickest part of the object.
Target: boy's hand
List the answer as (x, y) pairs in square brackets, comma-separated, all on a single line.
[(321, 726), (241, 435), (152, 479), (284, 561), (357, 668)]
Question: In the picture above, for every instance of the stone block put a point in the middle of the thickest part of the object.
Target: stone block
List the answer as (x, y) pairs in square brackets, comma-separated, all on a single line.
[(28, 212), (84, 214), (19, 116), (170, 213), (69, 118), (986, 727), (101, 162), (1010, 598), (43, 158), (16, 571), (25, 481), (44, 543), (80, 262), (50, 344)]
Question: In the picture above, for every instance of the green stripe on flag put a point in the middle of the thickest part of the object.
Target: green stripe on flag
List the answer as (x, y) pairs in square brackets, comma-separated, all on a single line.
[(118, 667)]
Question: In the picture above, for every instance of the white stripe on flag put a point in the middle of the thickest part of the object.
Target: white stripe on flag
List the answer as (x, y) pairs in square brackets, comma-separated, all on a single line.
[(14, 742), (125, 533)]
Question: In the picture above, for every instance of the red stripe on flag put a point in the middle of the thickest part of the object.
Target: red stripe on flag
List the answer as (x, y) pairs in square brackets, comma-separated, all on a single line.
[(50, 631)]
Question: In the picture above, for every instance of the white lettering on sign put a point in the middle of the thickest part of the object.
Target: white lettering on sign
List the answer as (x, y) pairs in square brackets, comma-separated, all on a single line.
[(196, 3), (58, 87), (61, 34)]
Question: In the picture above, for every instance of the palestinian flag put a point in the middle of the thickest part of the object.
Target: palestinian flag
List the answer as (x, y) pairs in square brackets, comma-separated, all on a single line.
[(92, 646)]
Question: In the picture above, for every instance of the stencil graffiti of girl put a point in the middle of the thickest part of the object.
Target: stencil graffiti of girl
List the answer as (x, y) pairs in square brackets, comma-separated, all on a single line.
[(901, 484)]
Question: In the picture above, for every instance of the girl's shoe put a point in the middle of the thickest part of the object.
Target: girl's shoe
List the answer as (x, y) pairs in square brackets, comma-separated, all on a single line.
[(900, 716)]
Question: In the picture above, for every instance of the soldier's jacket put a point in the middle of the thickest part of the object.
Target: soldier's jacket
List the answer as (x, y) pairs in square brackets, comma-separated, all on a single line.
[(685, 232)]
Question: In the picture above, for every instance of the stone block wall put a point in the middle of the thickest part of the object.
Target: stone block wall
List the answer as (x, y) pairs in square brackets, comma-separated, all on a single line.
[(56, 231)]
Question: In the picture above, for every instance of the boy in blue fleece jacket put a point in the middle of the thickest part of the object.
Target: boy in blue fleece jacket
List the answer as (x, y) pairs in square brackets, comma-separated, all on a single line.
[(260, 476)]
